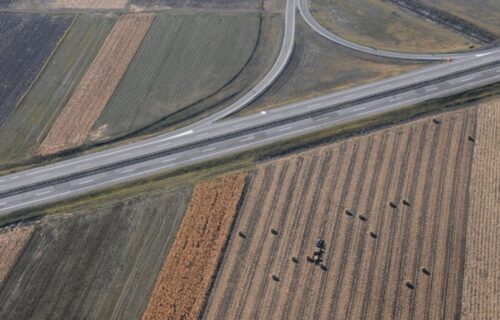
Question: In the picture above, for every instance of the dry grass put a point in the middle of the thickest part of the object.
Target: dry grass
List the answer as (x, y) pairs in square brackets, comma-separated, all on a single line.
[(481, 295), (11, 244), (73, 125), (293, 201), (89, 4), (186, 275)]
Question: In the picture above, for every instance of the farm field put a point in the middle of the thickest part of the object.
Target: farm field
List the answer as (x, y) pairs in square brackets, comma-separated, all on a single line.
[(384, 25), (225, 4), (28, 124), (188, 270), (90, 97), (27, 41), (168, 75), (318, 66), (12, 243), (481, 293), (484, 13), (391, 207), (97, 262), (64, 4)]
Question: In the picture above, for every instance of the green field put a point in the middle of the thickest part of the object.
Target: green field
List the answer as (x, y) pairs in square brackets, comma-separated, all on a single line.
[(319, 66), (184, 59), (383, 25), (99, 262), (26, 127)]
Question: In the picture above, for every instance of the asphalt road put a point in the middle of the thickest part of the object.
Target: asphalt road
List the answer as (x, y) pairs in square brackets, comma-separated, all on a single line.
[(313, 23), (94, 172)]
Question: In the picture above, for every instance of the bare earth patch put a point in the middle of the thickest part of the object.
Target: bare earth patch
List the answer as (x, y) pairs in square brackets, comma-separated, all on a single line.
[(89, 4), (73, 125), (11, 244), (481, 293), (191, 263)]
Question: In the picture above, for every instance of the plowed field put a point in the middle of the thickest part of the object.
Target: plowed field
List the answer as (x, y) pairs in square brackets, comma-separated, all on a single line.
[(12, 242), (391, 207), (186, 276), (481, 296), (98, 84)]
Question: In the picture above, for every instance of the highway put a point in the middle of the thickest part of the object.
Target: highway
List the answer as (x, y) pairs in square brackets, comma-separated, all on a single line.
[(208, 139), (313, 23)]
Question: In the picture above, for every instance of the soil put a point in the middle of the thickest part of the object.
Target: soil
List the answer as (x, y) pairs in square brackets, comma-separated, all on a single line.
[(73, 125), (373, 253), (89, 4), (11, 244), (481, 293), (191, 263)]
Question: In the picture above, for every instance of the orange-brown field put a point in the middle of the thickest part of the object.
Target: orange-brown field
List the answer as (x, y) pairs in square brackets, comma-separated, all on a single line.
[(187, 274), (73, 125), (391, 207), (481, 293), (11, 244)]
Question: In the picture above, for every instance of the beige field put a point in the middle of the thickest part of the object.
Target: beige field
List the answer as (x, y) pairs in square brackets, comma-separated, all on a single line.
[(190, 265), (73, 125), (375, 254), (481, 293), (89, 4), (11, 244)]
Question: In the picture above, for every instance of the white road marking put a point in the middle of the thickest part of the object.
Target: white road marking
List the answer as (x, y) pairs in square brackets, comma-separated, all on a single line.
[(177, 135), (395, 99), (15, 178), (128, 170), (263, 112), (467, 79), (322, 119), (86, 181), (284, 129), (479, 55), (44, 192), (247, 139), (208, 149), (168, 160), (429, 89), (3, 203)]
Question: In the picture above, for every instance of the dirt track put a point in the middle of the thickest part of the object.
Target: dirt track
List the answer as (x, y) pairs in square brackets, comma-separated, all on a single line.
[(190, 265), (481, 295), (371, 252), (73, 125)]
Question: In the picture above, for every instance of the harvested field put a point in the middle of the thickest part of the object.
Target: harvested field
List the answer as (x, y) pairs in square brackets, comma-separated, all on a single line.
[(184, 59), (225, 4), (481, 293), (73, 125), (12, 243), (98, 263), (384, 25), (64, 4), (191, 263), (484, 13), (29, 123), (375, 251), (26, 41), (318, 66)]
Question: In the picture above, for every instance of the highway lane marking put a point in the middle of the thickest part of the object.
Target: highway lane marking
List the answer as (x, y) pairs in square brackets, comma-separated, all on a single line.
[(284, 129), (247, 139), (15, 178), (3, 203), (86, 181), (322, 119), (168, 160), (429, 89), (467, 79), (44, 192), (128, 170), (208, 149), (263, 112)]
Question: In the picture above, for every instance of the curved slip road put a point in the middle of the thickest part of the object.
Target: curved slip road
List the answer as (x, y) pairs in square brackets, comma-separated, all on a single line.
[(313, 23), (97, 171)]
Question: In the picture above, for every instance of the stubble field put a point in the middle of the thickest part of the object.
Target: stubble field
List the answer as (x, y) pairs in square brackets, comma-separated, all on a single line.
[(391, 207), (94, 263), (27, 40), (33, 117), (187, 273), (12, 243), (481, 297), (73, 125)]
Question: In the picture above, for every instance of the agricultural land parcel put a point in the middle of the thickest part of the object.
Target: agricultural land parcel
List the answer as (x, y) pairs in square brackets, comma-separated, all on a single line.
[(224, 4), (375, 252), (481, 297), (12, 243), (97, 263), (26, 41), (318, 66), (24, 130), (484, 13), (383, 25), (90, 97), (191, 263), (183, 59), (64, 4)]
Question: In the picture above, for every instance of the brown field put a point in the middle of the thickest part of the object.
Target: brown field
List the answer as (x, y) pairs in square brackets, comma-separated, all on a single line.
[(11, 244), (73, 125), (374, 252), (191, 263), (481, 293), (89, 4)]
